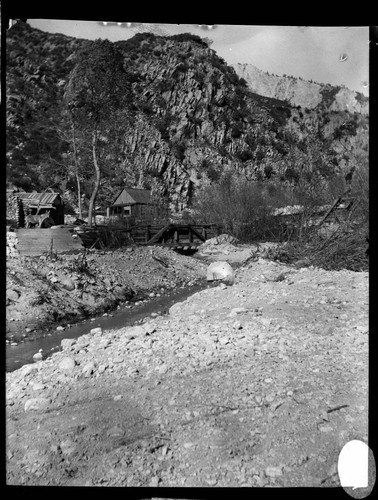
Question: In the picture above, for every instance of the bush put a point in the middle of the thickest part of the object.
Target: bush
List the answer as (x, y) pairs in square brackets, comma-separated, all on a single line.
[(188, 37), (243, 208), (178, 149), (344, 249)]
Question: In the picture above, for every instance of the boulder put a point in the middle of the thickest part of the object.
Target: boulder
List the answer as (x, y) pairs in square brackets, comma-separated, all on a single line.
[(68, 284), (96, 331), (36, 404), (67, 447), (273, 471), (67, 364), (136, 331), (26, 370), (219, 270), (67, 343), (12, 294), (88, 369), (38, 386), (38, 356), (149, 328)]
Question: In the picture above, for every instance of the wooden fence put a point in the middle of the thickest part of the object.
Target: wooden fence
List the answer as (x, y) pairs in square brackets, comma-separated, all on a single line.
[(32, 242)]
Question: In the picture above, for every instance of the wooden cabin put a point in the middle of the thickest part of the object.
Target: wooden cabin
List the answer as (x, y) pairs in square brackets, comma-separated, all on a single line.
[(40, 203), (133, 202)]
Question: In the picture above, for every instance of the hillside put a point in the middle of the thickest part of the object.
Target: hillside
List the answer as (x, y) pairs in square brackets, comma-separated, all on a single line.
[(193, 121), (299, 92)]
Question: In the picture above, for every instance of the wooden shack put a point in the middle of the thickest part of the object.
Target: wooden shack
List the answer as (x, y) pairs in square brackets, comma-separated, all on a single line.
[(133, 202), (39, 203)]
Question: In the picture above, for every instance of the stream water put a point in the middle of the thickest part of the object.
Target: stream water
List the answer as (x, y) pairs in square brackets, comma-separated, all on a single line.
[(22, 353)]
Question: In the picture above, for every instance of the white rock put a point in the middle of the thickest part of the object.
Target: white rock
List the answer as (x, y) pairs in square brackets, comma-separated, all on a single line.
[(96, 331), (149, 328), (362, 328), (68, 284), (60, 328), (37, 386), (27, 370), (237, 310), (273, 471), (67, 343), (219, 270), (67, 364), (88, 369), (36, 404), (67, 447), (38, 356), (136, 331), (266, 321)]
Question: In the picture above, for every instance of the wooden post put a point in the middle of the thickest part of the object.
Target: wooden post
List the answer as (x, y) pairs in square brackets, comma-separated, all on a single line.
[(190, 235), (20, 213), (147, 238)]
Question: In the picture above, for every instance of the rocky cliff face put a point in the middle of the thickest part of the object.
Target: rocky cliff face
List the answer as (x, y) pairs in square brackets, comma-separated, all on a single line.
[(300, 92), (194, 119)]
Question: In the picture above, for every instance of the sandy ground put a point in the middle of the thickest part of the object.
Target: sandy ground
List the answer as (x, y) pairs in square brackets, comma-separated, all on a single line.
[(256, 384)]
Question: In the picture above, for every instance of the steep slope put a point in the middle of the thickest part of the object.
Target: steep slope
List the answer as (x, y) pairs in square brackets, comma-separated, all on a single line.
[(299, 92), (194, 120)]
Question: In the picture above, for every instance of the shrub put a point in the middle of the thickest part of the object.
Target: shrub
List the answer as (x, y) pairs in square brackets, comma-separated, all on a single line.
[(344, 249), (188, 37), (146, 107), (178, 149), (245, 155), (236, 130), (243, 208)]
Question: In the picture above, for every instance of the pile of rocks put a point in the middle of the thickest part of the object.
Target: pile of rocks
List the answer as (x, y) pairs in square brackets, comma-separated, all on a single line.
[(12, 244), (224, 243), (256, 384)]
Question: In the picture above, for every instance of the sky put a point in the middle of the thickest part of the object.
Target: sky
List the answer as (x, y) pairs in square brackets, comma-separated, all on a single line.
[(336, 55)]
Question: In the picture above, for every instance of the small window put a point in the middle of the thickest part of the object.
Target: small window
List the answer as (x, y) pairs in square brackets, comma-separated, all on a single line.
[(127, 210)]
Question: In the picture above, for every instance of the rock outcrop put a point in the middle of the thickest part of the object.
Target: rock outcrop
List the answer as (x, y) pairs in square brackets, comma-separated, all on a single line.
[(192, 119), (299, 92)]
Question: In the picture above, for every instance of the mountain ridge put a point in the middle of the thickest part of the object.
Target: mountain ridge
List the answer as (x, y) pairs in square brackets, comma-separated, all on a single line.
[(195, 121), (299, 92)]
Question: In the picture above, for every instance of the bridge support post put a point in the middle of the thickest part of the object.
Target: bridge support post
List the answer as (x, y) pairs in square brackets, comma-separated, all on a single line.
[(147, 234)]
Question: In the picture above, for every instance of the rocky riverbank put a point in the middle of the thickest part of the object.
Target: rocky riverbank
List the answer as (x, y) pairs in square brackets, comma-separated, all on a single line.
[(46, 292), (256, 384)]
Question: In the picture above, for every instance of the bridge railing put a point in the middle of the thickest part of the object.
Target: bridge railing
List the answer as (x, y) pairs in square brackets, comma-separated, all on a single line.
[(173, 235)]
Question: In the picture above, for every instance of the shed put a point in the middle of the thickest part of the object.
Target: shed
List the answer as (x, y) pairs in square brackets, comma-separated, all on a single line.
[(39, 203), (133, 202)]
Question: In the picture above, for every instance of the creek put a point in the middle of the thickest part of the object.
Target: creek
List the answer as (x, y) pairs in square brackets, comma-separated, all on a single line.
[(22, 353)]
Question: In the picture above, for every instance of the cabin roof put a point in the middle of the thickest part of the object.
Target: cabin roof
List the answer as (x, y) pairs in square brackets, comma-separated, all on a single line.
[(39, 199), (130, 196)]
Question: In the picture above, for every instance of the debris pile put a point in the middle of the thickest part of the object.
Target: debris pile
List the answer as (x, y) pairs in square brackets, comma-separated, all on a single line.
[(256, 384)]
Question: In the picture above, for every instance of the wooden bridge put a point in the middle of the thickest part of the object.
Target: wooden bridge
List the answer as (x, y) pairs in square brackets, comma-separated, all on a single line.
[(176, 236)]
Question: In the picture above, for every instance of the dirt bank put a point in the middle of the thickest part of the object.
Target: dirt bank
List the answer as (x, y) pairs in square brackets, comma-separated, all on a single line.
[(45, 292), (256, 384)]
